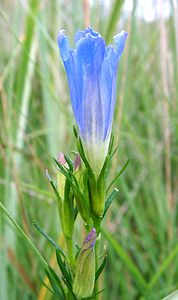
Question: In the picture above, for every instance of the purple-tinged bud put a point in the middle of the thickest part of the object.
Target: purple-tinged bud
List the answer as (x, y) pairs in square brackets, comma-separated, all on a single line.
[(90, 240), (85, 267), (61, 159), (77, 162)]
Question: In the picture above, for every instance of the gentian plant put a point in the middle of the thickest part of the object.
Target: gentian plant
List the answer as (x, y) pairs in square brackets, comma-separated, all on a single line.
[(81, 189)]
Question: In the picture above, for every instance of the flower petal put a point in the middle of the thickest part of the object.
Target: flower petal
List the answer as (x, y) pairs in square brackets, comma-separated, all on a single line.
[(63, 43), (108, 80), (82, 33), (120, 40), (89, 57), (68, 57)]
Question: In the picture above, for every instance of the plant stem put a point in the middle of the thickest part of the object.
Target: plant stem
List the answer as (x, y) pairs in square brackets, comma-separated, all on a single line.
[(70, 251), (97, 224), (97, 247)]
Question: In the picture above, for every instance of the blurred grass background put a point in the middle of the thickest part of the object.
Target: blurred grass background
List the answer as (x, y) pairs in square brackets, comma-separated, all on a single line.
[(36, 123)]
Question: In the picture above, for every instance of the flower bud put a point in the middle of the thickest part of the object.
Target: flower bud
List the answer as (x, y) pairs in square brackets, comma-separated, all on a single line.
[(77, 162), (60, 177), (66, 206), (85, 268)]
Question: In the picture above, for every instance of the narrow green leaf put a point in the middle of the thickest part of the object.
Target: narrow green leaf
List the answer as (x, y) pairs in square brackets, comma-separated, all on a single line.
[(82, 154), (109, 200), (75, 212), (53, 186), (62, 266), (95, 294), (100, 269), (112, 154), (118, 174), (163, 267), (23, 235), (69, 162), (75, 131), (55, 283), (111, 143), (48, 288), (49, 239), (63, 170), (104, 169)]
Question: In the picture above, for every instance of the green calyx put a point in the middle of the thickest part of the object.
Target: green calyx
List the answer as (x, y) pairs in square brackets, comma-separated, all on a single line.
[(85, 268), (82, 199)]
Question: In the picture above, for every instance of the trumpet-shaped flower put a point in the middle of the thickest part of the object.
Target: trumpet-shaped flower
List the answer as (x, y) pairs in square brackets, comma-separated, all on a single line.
[(91, 71)]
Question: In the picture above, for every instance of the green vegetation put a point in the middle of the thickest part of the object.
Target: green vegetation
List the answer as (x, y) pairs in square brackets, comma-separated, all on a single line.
[(36, 123)]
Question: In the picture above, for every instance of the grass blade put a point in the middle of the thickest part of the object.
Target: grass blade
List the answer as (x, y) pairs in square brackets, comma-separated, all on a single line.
[(163, 267), (132, 268), (55, 283), (23, 235), (113, 19), (49, 238)]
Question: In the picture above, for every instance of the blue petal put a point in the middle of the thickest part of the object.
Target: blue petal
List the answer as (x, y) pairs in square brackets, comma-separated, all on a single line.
[(120, 40), (108, 90), (108, 80), (82, 33), (63, 43), (68, 57), (90, 53)]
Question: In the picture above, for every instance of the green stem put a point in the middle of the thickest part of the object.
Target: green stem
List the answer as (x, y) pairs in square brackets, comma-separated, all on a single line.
[(69, 296), (97, 224), (97, 247), (70, 251)]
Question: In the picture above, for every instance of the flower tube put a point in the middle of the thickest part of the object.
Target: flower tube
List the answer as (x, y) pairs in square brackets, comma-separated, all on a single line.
[(91, 70)]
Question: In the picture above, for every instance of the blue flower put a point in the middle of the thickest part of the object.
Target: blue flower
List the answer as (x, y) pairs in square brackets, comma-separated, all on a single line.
[(91, 71)]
